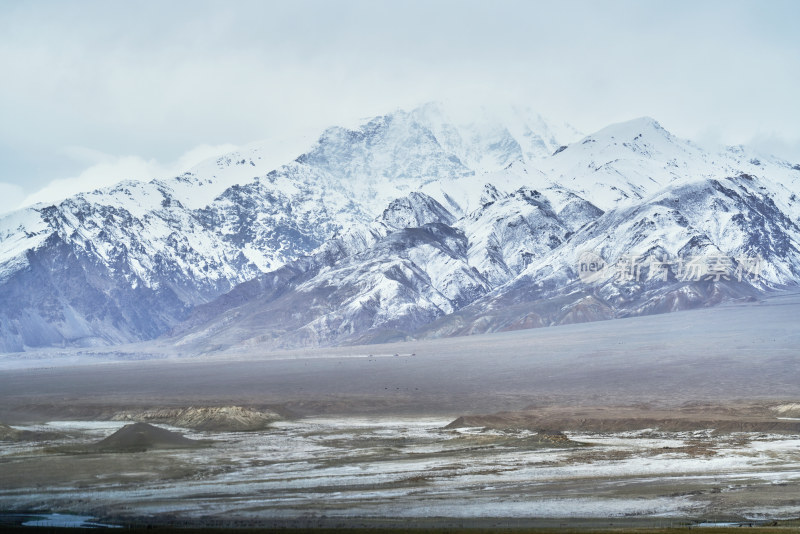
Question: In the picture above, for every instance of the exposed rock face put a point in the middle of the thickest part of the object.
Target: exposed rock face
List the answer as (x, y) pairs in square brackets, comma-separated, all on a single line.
[(140, 437), (212, 418)]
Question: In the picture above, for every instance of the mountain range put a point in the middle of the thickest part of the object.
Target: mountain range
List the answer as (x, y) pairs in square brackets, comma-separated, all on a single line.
[(414, 224)]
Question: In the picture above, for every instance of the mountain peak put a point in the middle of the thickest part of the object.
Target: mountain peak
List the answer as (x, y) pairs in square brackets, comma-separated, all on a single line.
[(415, 210), (633, 129)]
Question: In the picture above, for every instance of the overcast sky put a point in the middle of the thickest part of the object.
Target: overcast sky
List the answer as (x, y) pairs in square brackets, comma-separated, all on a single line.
[(94, 92)]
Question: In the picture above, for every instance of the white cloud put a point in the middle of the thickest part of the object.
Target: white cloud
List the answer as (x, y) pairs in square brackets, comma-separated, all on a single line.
[(11, 196), (777, 145), (197, 155), (153, 78), (106, 170)]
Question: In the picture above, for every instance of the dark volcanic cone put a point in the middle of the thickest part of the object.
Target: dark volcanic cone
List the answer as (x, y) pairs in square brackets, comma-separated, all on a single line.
[(141, 437)]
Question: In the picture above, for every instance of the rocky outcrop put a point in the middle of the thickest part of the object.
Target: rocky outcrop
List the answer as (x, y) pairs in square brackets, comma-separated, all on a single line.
[(210, 418), (8, 434)]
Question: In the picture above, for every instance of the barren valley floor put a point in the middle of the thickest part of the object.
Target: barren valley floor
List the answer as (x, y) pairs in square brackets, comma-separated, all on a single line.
[(675, 419)]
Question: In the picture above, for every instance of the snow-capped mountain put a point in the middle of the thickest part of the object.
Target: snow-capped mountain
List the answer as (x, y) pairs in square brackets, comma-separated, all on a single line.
[(413, 224), (129, 262), (675, 226)]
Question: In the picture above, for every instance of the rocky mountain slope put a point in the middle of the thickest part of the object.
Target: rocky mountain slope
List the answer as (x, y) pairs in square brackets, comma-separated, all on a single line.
[(129, 262), (413, 224), (674, 226)]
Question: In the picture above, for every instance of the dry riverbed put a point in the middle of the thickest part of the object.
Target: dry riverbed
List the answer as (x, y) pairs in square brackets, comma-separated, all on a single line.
[(348, 468)]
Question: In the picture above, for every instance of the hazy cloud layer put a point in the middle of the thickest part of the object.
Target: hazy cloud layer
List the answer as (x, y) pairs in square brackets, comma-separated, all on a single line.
[(139, 84), (104, 170)]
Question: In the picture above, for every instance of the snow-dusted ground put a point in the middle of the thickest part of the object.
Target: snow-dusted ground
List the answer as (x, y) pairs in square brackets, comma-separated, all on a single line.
[(414, 467)]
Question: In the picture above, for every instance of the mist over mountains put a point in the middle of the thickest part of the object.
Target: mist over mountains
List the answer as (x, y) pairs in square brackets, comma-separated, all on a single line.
[(413, 224)]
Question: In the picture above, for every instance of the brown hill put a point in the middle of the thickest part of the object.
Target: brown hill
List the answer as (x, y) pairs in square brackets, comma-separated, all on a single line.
[(788, 410), (211, 418), (8, 434), (620, 419), (141, 437)]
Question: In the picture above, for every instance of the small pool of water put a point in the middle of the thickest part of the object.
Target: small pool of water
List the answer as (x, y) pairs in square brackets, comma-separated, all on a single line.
[(62, 520)]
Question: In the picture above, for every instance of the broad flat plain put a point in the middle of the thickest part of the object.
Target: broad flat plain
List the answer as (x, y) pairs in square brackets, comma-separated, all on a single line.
[(669, 416)]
